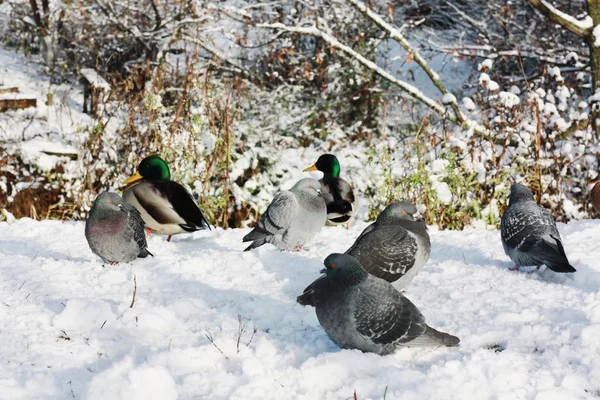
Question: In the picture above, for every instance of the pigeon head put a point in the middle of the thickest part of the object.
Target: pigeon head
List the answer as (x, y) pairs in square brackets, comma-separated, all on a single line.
[(519, 193), (328, 164), (307, 185), (152, 168), (344, 269), (108, 202), (402, 210)]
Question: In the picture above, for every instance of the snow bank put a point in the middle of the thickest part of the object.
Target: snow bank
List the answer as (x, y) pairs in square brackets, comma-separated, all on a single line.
[(212, 322)]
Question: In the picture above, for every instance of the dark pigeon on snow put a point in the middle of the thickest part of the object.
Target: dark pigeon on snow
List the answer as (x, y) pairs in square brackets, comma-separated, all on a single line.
[(529, 233), (115, 230), (360, 311), (395, 247)]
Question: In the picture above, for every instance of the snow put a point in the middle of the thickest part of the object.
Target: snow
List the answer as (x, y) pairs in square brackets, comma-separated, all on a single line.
[(68, 330), (486, 65), (448, 99), (509, 100), (596, 33), (468, 104)]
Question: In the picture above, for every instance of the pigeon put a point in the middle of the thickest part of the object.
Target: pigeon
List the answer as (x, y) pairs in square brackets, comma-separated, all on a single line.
[(360, 311), (529, 233), (337, 192), (166, 206), (395, 247), (115, 230), (292, 219)]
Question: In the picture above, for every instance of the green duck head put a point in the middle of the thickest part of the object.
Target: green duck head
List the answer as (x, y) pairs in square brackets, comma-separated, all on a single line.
[(328, 164), (152, 168)]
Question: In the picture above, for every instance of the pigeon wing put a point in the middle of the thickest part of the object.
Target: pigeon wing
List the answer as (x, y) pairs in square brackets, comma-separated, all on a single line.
[(384, 316), (277, 219), (137, 229), (522, 224), (386, 252)]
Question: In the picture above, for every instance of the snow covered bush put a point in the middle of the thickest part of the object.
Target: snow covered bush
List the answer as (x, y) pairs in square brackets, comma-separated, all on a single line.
[(240, 98)]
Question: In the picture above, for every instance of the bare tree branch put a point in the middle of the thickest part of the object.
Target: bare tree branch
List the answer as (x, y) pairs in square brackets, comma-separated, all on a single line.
[(399, 38), (581, 28), (411, 90)]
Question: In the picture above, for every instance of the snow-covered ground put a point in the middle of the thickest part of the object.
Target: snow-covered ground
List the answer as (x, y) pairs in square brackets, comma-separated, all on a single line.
[(68, 328)]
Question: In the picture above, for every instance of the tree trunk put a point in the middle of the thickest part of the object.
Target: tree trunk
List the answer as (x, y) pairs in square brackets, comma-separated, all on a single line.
[(38, 18), (594, 11), (47, 47)]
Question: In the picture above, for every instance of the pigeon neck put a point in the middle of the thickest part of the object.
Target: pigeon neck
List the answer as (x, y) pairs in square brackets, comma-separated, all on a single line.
[(349, 277)]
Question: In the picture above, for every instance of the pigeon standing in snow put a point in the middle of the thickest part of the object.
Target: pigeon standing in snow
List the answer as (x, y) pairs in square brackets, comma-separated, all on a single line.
[(115, 230), (292, 219), (529, 233), (361, 311), (395, 247)]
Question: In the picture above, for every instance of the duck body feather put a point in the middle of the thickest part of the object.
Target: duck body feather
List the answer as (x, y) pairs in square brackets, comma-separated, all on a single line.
[(340, 200), (166, 207)]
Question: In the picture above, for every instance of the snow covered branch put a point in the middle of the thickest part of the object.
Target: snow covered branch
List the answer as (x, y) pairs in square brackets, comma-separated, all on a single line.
[(411, 90), (579, 27), (396, 35)]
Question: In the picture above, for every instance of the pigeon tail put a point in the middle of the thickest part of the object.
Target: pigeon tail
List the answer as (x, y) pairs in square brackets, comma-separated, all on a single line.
[(306, 299), (258, 233), (563, 267), (256, 243), (144, 253), (433, 337)]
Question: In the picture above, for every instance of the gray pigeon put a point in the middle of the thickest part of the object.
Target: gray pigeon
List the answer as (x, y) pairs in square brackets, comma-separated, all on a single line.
[(361, 311), (115, 230), (529, 233), (292, 219), (395, 247)]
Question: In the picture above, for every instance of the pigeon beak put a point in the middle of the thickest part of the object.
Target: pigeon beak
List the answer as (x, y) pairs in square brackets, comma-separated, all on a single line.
[(134, 178), (418, 216), (323, 271), (311, 168)]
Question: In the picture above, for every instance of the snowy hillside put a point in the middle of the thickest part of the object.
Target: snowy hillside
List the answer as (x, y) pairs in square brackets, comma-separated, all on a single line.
[(212, 322)]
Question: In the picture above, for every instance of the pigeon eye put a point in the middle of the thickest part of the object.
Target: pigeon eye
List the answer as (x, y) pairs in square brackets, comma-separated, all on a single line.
[(332, 266), (403, 212)]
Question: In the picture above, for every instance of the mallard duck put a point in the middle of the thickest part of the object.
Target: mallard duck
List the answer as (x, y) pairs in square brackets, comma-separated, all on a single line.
[(338, 194), (166, 207)]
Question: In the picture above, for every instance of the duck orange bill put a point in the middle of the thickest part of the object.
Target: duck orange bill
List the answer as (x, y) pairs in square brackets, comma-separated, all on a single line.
[(311, 168), (133, 178)]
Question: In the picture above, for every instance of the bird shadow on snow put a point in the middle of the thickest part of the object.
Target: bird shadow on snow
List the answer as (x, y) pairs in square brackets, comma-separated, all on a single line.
[(33, 250), (295, 268), (280, 320), (441, 252)]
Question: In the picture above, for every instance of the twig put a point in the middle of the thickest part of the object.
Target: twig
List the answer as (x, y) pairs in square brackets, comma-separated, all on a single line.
[(71, 389), (134, 291), (241, 329), (210, 339)]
